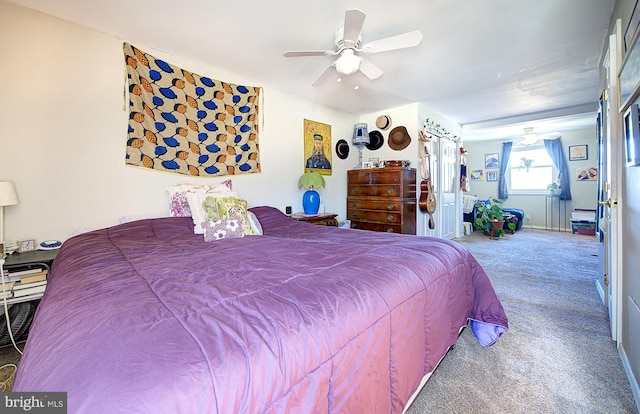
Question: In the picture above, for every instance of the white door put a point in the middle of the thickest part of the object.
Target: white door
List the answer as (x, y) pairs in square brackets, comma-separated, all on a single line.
[(610, 133), (449, 185)]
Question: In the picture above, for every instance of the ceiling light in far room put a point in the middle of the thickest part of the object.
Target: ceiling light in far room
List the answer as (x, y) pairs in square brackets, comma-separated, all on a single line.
[(529, 137), (348, 62), (525, 163)]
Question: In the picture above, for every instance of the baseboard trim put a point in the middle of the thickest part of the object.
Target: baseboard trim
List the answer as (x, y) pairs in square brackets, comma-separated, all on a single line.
[(600, 290), (530, 226), (635, 388)]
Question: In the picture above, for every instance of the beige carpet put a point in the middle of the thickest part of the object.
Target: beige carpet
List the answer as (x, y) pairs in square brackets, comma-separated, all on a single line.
[(557, 356), (8, 358)]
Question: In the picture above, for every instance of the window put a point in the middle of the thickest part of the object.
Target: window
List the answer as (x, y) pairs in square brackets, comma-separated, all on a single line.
[(531, 169)]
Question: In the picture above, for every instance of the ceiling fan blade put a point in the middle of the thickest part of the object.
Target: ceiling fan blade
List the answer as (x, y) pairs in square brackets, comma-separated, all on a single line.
[(370, 70), (301, 53), (400, 41), (320, 79), (353, 21)]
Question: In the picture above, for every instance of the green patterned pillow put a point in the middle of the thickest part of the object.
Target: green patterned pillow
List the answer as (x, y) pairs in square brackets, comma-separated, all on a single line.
[(210, 209), (229, 207)]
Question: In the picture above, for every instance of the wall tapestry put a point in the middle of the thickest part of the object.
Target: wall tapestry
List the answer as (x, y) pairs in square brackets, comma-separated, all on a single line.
[(317, 147), (185, 123)]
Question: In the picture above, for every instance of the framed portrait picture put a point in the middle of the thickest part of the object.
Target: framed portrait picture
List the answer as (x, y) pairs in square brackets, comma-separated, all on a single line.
[(317, 147), (578, 152), (491, 160), (492, 175), (368, 164)]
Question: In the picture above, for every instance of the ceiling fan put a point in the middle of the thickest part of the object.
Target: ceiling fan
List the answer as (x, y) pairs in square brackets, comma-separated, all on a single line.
[(348, 45)]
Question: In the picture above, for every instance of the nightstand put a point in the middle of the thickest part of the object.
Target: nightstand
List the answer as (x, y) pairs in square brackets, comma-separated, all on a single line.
[(22, 307), (29, 260), (321, 219)]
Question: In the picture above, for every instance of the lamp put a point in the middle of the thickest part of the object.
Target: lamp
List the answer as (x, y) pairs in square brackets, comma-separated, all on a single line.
[(311, 198), (348, 62), (8, 197), (360, 139)]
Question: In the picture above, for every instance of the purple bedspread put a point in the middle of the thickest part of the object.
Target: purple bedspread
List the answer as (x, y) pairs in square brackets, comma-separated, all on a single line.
[(147, 317)]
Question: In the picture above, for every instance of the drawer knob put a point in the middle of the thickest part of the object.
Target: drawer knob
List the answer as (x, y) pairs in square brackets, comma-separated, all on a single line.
[(354, 205), (390, 191), (389, 230), (389, 206), (353, 214), (354, 191), (390, 217)]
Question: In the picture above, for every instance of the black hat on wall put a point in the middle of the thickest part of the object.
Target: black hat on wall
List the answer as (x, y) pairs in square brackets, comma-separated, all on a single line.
[(376, 140), (342, 149)]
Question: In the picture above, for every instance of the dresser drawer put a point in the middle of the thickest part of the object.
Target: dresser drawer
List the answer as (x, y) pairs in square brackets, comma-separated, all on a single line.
[(375, 176), (365, 225), (375, 190), (375, 216), (379, 204)]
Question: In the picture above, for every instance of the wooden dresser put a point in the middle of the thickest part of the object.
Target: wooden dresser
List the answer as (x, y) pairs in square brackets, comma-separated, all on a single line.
[(382, 199)]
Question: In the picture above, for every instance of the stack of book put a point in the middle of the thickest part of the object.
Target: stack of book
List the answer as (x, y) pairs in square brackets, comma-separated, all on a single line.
[(23, 282)]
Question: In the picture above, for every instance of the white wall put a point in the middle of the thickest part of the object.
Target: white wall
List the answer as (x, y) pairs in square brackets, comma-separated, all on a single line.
[(583, 193), (64, 133), (64, 126)]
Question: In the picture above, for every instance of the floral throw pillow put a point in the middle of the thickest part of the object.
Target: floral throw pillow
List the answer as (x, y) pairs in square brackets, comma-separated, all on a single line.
[(178, 202), (222, 229)]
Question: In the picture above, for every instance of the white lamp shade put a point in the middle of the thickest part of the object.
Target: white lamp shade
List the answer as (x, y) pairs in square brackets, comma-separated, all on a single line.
[(8, 195)]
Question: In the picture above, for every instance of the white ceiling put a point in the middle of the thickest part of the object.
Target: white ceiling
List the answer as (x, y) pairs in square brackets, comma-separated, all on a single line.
[(483, 63)]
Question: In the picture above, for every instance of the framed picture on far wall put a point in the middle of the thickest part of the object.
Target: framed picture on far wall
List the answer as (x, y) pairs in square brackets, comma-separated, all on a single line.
[(578, 152), (491, 160), (492, 175), (477, 175)]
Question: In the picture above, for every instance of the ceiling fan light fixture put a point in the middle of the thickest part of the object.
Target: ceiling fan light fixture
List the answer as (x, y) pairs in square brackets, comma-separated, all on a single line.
[(348, 62), (529, 137)]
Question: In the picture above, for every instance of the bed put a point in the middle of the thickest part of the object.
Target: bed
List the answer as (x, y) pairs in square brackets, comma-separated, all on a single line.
[(146, 316)]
